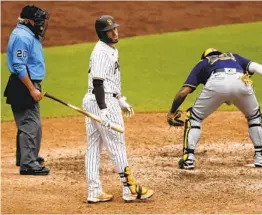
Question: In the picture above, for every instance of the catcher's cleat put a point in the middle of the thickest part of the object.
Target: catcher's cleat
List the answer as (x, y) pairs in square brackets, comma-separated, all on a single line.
[(186, 164), (135, 191), (102, 197)]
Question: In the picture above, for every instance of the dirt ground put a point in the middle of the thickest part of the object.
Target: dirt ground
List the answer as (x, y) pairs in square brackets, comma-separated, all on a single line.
[(221, 182)]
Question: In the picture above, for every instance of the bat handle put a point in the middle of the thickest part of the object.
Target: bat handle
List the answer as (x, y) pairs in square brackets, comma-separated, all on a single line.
[(92, 116), (117, 127)]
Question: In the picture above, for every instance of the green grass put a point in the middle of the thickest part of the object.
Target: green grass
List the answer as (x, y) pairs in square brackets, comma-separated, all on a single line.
[(153, 67)]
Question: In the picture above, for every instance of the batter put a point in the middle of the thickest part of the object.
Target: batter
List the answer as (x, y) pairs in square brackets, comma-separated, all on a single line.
[(105, 100)]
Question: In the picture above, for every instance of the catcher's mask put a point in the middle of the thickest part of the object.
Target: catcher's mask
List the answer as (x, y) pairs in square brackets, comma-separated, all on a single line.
[(103, 24), (39, 16), (210, 51)]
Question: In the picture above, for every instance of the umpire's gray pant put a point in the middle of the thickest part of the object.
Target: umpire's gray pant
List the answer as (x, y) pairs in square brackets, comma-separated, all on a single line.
[(29, 135)]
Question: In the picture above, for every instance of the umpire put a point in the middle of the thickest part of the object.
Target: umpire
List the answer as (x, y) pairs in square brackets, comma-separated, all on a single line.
[(23, 91)]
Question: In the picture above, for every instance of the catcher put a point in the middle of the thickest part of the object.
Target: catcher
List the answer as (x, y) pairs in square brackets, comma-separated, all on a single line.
[(225, 77)]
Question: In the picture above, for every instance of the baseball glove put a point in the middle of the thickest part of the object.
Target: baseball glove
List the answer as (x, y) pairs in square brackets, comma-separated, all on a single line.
[(173, 119)]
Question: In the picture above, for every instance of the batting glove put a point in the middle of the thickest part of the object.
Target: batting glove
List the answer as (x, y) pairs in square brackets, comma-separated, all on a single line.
[(126, 108), (104, 117)]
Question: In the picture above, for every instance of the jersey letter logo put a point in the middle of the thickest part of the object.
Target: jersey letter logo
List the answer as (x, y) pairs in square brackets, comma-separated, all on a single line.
[(117, 66)]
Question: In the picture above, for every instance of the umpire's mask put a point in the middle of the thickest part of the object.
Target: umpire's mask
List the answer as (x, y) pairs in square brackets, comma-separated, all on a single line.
[(39, 16)]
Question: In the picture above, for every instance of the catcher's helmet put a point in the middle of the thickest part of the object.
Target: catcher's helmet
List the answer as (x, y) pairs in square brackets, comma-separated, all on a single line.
[(210, 51), (103, 24), (38, 16)]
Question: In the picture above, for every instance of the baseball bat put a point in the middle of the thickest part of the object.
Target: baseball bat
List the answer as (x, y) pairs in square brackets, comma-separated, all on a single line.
[(88, 114)]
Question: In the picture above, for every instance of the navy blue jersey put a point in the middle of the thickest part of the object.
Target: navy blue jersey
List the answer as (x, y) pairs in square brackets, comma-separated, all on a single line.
[(203, 70)]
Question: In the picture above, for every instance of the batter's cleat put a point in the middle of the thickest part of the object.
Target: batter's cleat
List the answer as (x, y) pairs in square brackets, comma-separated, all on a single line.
[(135, 191), (259, 165), (138, 192), (258, 159), (102, 197), (187, 164)]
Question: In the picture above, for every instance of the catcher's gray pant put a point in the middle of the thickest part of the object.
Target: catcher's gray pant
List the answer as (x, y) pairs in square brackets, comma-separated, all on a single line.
[(99, 136), (220, 88), (29, 135)]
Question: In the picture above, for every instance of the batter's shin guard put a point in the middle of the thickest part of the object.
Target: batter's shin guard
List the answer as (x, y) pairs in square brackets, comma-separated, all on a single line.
[(255, 133), (133, 191)]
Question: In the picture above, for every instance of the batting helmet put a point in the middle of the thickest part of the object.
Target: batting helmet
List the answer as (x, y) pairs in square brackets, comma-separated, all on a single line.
[(210, 51), (38, 16), (103, 24)]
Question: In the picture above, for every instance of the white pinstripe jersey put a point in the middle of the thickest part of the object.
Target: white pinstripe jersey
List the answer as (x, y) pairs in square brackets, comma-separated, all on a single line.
[(104, 65)]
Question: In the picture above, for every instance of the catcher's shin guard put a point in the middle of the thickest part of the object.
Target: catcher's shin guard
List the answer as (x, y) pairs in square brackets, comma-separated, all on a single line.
[(191, 136), (255, 133), (131, 190)]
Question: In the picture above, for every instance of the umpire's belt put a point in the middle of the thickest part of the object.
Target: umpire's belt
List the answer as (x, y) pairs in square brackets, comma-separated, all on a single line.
[(115, 95), (228, 70)]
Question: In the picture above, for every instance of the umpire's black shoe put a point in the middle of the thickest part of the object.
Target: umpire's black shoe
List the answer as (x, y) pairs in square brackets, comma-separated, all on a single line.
[(39, 159), (30, 171)]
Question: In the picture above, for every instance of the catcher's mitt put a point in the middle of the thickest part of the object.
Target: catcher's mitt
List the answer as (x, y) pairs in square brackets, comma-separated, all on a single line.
[(173, 119)]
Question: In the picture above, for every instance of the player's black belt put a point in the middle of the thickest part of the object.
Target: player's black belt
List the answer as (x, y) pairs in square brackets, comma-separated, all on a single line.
[(223, 70), (115, 95)]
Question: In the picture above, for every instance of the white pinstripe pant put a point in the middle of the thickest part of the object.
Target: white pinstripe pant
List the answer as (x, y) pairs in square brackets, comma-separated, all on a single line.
[(99, 136)]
